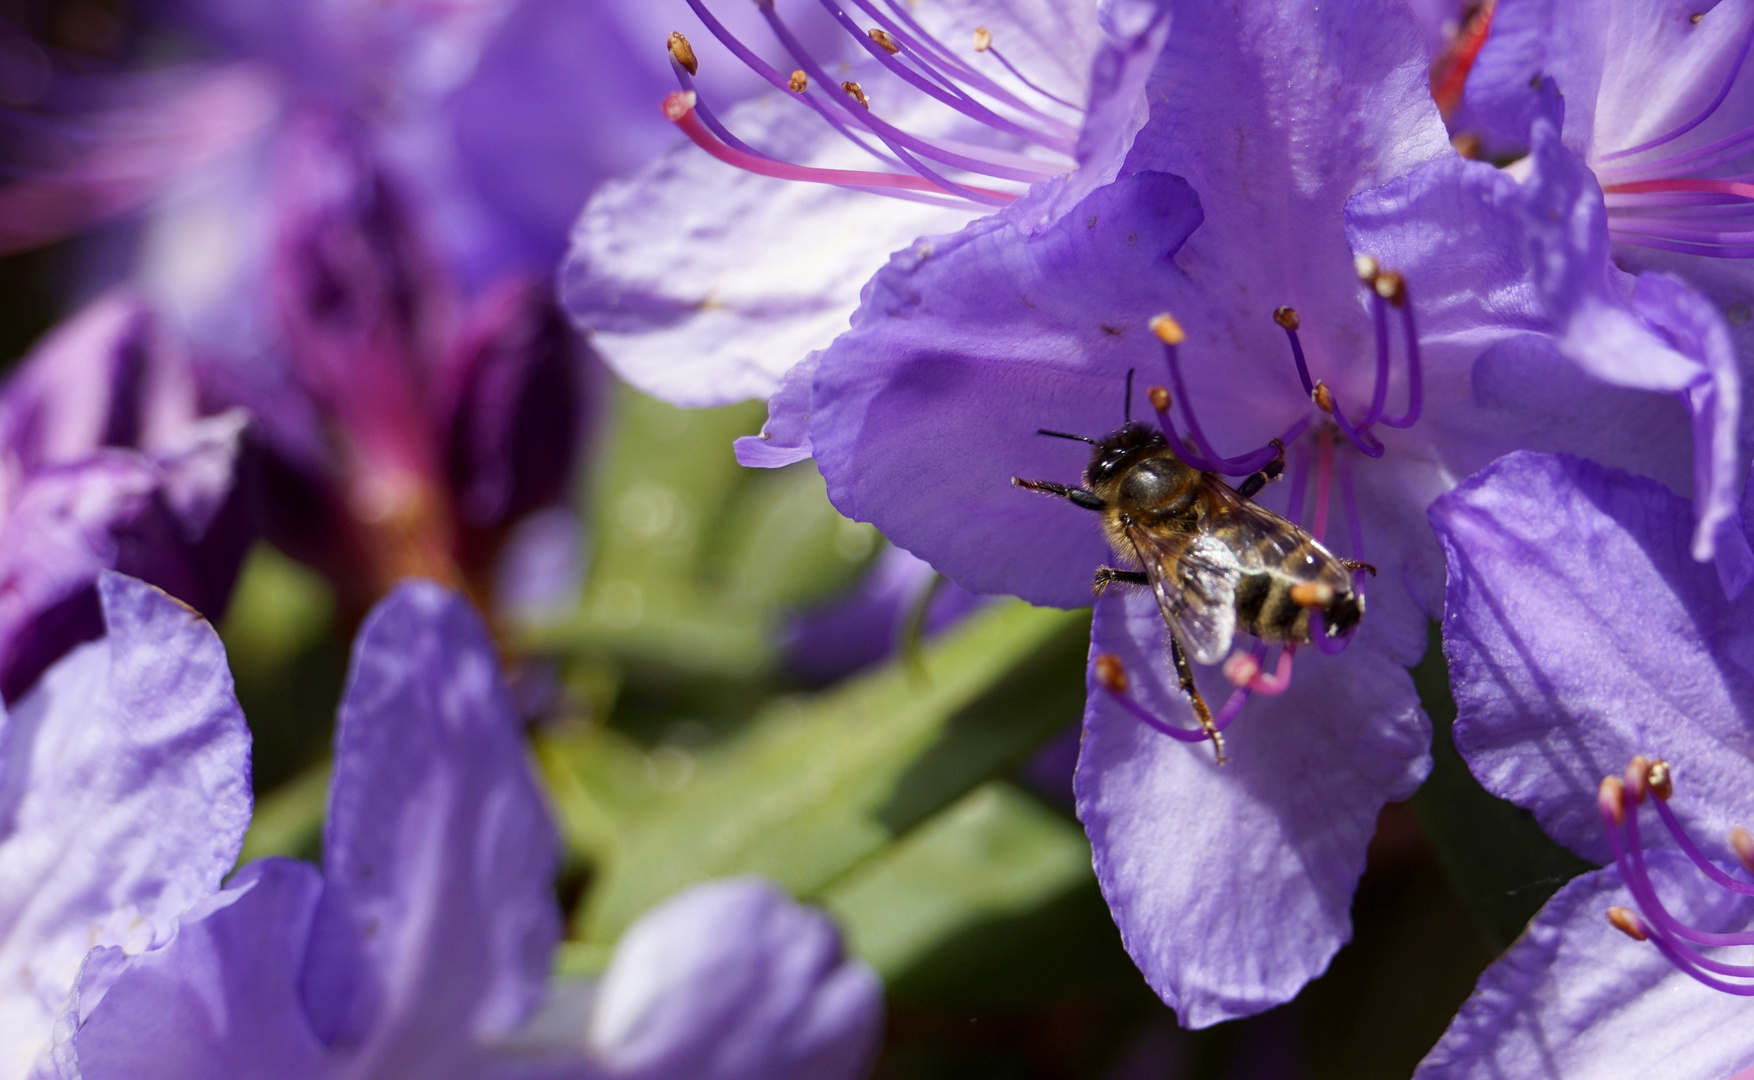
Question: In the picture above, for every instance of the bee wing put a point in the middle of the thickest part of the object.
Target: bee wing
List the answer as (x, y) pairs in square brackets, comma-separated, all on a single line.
[(1194, 578)]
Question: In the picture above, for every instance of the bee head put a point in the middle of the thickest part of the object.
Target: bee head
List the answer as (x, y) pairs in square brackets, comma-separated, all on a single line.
[(1114, 452)]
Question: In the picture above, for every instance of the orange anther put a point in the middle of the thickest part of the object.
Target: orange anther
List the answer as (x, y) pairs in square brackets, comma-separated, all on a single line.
[(1111, 673)]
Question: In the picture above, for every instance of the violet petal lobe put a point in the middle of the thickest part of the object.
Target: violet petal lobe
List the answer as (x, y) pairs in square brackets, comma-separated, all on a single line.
[(785, 438), (69, 523), (964, 346), (1574, 999), (732, 980), (125, 797), (1232, 884), (1580, 632), (438, 918), (221, 1001)]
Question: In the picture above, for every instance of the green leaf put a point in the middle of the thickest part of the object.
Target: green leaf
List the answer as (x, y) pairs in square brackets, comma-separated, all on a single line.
[(1497, 859), (816, 786), (997, 853), (290, 820)]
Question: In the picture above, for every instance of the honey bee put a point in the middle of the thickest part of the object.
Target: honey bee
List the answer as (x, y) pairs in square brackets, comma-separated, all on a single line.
[(1216, 561)]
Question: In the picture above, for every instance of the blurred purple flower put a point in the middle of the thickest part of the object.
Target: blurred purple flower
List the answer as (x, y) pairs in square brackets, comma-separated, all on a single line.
[(1032, 317), (412, 427), (106, 463), (730, 980), (422, 948), (869, 625), (425, 938), (125, 795)]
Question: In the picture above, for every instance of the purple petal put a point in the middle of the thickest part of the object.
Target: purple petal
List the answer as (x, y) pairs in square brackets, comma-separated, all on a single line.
[(732, 980), (438, 920), (1575, 999), (785, 438), (69, 523), (1630, 70), (79, 388), (1579, 632), (222, 999), (867, 626), (967, 344), (125, 798), (1231, 884)]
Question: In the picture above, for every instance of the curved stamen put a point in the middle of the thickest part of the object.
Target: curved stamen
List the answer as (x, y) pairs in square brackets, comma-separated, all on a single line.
[(962, 103), (1170, 333), (679, 108), (993, 50), (891, 136), (1706, 866), (923, 42), (779, 81), (1318, 526), (1704, 115), (1415, 363)]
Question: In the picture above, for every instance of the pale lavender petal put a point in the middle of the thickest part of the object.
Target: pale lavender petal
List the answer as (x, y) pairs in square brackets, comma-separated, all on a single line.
[(1575, 999), (436, 927), (732, 980), (1232, 884), (221, 1000), (125, 798), (1580, 631)]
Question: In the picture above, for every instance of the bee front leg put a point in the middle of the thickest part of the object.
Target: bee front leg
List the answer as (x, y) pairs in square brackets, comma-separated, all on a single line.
[(1108, 575), (1185, 672), (1077, 496), (1254, 482)]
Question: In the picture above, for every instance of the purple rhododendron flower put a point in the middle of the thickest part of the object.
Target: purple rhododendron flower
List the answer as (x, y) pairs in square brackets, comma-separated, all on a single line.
[(426, 936), (106, 463), (126, 794), (1033, 317), (1563, 674)]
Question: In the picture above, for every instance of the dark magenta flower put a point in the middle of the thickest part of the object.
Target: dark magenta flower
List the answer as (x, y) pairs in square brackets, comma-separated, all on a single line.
[(127, 796), (106, 462)]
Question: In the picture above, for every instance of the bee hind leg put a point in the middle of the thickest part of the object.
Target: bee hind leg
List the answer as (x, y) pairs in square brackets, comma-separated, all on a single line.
[(1255, 481), (1185, 673), (1354, 564), (1108, 575)]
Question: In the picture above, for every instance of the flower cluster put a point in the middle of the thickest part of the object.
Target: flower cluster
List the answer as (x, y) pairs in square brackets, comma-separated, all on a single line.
[(1276, 332), (1184, 228)]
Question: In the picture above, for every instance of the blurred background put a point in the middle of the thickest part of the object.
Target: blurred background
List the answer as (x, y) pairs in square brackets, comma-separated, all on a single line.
[(721, 674)]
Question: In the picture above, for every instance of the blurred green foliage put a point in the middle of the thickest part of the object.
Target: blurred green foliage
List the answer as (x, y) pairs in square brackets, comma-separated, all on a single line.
[(678, 748)]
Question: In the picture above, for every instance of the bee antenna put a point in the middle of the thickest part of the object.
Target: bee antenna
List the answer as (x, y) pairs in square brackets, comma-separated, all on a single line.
[(1063, 435), (1127, 402)]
